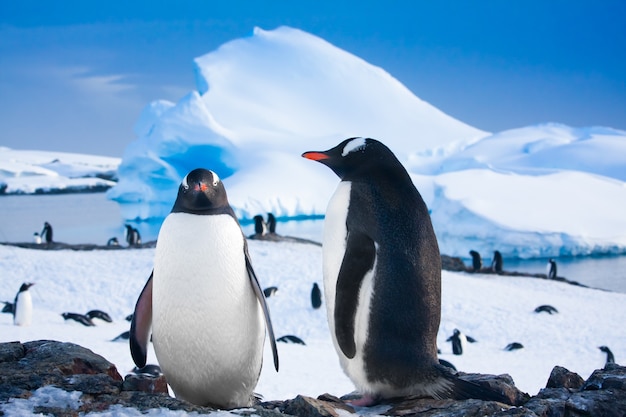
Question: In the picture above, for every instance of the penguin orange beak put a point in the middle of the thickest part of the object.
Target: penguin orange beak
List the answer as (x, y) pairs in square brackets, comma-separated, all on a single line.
[(315, 156), (201, 187)]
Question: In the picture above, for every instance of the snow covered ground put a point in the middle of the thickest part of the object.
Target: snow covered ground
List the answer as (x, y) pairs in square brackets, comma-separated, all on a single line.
[(494, 310)]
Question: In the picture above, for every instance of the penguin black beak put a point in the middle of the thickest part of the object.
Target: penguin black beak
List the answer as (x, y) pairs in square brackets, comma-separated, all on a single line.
[(315, 156)]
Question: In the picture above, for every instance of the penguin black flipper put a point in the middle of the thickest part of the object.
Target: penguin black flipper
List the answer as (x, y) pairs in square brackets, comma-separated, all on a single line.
[(357, 261), (140, 325), (266, 312)]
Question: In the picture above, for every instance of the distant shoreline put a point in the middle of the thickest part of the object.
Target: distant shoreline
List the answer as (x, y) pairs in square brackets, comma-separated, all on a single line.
[(101, 188)]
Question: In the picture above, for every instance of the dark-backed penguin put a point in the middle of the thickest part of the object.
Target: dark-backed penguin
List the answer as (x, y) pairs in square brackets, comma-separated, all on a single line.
[(496, 263), (459, 341), (477, 262), (513, 346), (316, 296), (122, 337), (8, 307), (547, 309), (133, 238), (23, 306), (79, 318), (271, 223), (289, 338), (204, 301), (46, 233), (382, 278), (113, 242), (100, 315), (260, 227), (609, 355), (551, 269)]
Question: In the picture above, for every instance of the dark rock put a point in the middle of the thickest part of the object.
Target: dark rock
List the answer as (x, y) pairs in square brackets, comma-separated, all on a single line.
[(93, 384), (562, 378)]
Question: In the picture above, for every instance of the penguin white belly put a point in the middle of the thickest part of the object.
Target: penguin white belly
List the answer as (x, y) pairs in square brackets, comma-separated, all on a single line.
[(333, 250), (208, 328), (23, 309)]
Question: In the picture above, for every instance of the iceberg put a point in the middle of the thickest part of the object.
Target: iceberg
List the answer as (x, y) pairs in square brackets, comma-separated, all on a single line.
[(261, 101)]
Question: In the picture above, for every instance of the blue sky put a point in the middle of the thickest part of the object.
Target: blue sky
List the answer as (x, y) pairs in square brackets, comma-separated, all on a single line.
[(74, 75)]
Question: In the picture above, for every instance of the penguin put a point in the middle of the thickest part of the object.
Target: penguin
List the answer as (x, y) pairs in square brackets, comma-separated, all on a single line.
[(477, 262), (113, 242), (289, 338), (513, 346), (459, 341), (46, 233), (609, 355), (36, 238), (8, 307), (271, 223), (547, 309), (124, 336), (99, 314), (23, 306), (496, 264), (382, 279), (79, 318), (133, 238), (316, 296), (129, 317), (269, 291), (260, 227), (204, 302), (551, 267)]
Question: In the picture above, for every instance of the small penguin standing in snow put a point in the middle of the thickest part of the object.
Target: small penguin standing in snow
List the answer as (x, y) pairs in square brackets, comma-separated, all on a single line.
[(477, 262), (551, 269), (382, 278), (496, 264), (203, 299), (459, 341), (316, 296), (23, 306), (46, 233)]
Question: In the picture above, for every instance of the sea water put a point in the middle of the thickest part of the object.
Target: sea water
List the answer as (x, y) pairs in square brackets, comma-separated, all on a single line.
[(92, 218)]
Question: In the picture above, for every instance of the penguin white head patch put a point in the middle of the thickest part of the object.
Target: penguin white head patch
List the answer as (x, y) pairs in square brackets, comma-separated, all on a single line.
[(216, 179), (355, 144)]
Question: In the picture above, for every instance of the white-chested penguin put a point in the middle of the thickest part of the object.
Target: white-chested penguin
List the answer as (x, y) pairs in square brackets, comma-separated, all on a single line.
[(382, 278), (551, 269), (23, 306), (204, 301)]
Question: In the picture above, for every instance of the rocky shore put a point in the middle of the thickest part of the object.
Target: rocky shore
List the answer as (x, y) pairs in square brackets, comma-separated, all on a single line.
[(64, 379)]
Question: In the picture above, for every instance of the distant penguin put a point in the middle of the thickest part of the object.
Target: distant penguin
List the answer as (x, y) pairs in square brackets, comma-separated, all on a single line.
[(204, 301), (99, 314), (459, 341), (8, 307), (609, 355), (291, 339), (316, 296), (551, 268), (78, 318), (23, 306), (129, 317), (547, 309), (271, 223), (477, 262), (260, 227), (514, 346), (133, 238), (270, 291), (113, 242), (496, 264), (46, 233), (122, 337), (382, 278), (37, 238)]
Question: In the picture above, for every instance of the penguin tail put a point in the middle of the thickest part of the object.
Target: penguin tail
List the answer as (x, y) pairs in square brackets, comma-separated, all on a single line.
[(461, 389)]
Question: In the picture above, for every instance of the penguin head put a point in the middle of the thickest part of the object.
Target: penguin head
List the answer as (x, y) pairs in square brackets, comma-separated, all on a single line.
[(200, 192), (25, 286), (355, 156)]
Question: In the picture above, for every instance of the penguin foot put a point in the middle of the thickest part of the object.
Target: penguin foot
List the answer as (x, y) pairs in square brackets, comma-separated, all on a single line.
[(365, 401)]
